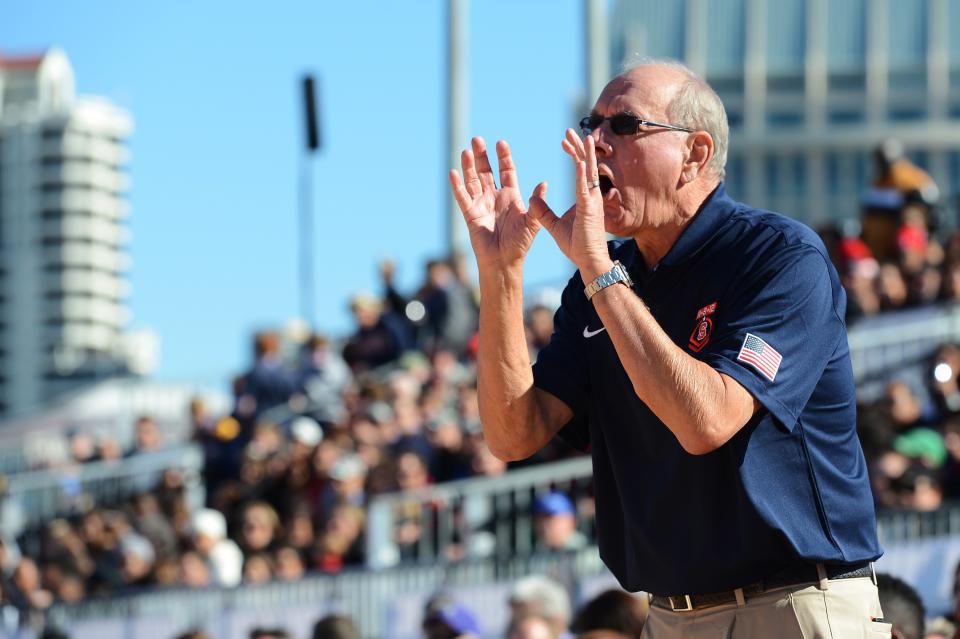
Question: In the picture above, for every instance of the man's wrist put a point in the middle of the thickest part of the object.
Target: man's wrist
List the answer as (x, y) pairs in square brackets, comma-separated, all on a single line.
[(501, 275), (616, 275), (595, 269)]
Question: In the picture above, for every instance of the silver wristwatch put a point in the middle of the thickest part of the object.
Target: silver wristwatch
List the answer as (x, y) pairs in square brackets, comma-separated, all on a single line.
[(617, 274)]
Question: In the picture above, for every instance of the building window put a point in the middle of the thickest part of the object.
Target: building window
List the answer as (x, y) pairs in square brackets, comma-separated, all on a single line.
[(845, 117), (784, 120), (847, 82), (906, 114), (735, 178), (52, 133)]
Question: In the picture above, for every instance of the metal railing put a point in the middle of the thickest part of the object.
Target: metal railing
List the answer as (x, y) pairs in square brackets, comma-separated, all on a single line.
[(377, 599), (364, 595), (471, 517), (885, 343), (895, 526), (442, 514), (37, 496)]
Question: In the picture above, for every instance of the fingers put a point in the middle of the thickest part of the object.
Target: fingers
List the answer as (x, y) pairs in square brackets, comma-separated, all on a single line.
[(583, 188), (591, 159), (508, 172), (573, 145), (539, 209), (474, 188), (464, 200), (484, 171)]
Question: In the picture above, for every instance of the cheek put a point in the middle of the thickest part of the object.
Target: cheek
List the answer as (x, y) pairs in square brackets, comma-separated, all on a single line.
[(653, 166)]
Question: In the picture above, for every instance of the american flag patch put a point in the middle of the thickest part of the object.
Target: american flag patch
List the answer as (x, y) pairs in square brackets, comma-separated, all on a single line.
[(760, 355)]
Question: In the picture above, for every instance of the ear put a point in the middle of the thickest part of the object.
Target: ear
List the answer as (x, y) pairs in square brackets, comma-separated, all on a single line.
[(699, 154)]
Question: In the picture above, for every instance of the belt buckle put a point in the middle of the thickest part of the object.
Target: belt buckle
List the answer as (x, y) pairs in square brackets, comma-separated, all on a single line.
[(675, 608)]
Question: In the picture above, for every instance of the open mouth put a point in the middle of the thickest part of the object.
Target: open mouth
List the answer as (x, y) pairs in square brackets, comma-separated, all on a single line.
[(606, 180), (605, 184)]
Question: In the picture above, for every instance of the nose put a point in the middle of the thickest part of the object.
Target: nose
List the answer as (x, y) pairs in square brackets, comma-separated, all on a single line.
[(604, 149)]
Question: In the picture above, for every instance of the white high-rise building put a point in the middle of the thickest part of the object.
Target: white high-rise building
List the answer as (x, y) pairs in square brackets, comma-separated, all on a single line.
[(63, 236)]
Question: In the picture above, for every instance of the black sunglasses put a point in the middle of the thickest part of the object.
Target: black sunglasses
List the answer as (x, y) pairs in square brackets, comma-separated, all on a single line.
[(624, 124)]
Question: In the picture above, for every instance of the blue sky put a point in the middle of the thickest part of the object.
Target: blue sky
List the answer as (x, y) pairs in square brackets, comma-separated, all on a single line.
[(213, 90)]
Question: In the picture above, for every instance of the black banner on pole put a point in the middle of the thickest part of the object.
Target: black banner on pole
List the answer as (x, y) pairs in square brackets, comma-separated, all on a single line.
[(310, 110)]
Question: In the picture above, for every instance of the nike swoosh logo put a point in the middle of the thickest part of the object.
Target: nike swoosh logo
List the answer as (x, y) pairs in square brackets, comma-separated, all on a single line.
[(588, 333)]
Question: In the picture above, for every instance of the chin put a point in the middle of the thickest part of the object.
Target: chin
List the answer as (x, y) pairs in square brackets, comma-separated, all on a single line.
[(614, 221)]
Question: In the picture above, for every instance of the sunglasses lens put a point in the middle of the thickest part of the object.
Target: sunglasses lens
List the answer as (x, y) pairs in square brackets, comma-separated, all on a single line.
[(589, 123), (624, 124)]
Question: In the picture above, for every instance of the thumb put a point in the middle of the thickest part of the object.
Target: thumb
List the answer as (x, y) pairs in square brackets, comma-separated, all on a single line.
[(540, 210)]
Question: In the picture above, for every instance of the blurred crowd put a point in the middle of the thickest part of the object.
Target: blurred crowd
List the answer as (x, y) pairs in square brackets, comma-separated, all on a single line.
[(898, 256), (539, 608), (320, 426), (316, 430)]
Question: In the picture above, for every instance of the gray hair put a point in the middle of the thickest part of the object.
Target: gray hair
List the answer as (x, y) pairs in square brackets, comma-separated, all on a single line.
[(695, 106), (546, 596)]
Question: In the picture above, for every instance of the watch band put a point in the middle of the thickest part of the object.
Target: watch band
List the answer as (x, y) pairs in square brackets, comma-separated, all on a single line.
[(615, 275)]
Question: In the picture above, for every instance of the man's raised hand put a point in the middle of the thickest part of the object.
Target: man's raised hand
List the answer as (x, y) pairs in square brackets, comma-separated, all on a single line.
[(501, 231), (579, 232)]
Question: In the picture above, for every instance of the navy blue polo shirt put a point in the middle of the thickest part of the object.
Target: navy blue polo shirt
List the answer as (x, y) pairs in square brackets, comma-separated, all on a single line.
[(754, 295)]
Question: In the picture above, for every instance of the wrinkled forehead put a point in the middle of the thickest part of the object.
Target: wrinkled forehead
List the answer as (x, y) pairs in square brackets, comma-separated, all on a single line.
[(646, 91)]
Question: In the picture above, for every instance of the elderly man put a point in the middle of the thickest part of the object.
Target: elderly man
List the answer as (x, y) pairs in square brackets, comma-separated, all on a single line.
[(703, 360)]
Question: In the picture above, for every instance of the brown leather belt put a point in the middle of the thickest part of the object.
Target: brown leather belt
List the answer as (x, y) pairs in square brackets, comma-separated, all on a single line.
[(792, 576)]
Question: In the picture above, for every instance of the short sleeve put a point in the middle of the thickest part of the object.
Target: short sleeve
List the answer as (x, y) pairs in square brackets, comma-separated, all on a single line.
[(561, 366), (778, 328)]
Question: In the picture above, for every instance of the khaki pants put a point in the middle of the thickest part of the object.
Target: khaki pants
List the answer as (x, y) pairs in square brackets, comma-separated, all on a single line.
[(842, 611)]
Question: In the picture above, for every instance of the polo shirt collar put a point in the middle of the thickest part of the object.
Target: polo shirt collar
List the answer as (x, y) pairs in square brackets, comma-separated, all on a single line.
[(713, 214)]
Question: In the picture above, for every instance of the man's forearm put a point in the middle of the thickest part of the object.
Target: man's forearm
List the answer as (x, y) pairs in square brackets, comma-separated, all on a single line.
[(509, 412), (700, 406)]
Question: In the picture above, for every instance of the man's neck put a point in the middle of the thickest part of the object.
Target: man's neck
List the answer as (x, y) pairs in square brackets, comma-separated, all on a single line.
[(654, 243)]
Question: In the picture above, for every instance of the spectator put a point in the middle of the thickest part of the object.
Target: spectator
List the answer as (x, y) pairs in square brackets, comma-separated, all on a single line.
[(269, 633), (341, 542), (902, 607), (138, 559), (26, 591), (450, 458), (323, 377), (257, 569), (108, 447), (542, 596), (613, 614), (451, 313), (335, 627), (223, 557), (260, 528), (347, 478), (555, 522), (529, 627), (940, 628), (300, 528), (411, 471), (892, 287), (194, 571), (380, 338), (9, 556), (289, 564), (147, 436), (539, 325), (82, 447), (450, 621), (266, 384)]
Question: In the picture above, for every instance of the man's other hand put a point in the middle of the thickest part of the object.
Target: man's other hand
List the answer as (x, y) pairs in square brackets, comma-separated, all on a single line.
[(501, 231)]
